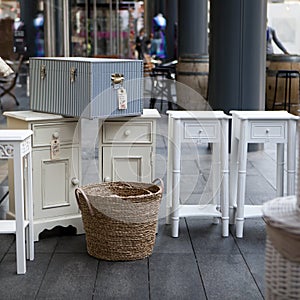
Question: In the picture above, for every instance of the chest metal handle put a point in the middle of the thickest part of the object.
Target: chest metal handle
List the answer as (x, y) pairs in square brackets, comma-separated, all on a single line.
[(117, 78), (43, 71), (73, 74)]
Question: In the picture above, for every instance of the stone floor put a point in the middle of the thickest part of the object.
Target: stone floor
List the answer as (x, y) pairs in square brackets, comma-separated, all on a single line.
[(199, 264)]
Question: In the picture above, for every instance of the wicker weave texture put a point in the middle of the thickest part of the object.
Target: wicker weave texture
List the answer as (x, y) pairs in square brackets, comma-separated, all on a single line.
[(120, 219), (282, 276)]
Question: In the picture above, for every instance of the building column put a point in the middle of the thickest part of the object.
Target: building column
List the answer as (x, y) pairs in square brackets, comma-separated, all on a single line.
[(29, 11), (172, 29), (192, 68), (237, 70)]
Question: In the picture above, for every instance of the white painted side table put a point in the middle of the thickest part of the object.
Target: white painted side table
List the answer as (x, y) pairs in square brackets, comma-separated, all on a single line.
[(127, 147), (260, 127), (202, 126), (56, 165), (16, 145)]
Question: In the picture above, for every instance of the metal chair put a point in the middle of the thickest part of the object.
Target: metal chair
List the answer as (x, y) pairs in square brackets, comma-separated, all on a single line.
[(288, 75), (8, 83), (162, 78)]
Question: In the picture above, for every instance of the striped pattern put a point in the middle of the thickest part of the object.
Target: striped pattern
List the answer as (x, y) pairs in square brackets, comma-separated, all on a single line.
[(91, 95)]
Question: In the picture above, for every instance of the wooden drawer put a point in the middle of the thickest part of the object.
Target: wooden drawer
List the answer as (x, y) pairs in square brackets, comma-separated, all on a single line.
[(43, 134), (127, 132), (204, 130), (263, 130)]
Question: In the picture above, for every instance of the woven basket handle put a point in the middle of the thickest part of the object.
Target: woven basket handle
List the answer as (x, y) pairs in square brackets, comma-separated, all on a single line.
[(159, 181), (79, 190)]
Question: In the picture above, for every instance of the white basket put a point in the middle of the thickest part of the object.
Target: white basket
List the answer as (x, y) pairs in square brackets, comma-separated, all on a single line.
[(282, 276)]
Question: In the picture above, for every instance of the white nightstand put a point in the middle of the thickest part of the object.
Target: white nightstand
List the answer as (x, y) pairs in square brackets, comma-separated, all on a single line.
[(260, 127), (56, 162), (204, 126), (15, 145)]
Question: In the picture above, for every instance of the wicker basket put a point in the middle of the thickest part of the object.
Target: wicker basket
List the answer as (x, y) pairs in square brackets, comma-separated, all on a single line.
[(120, 218), (282, 276), (282, 264)]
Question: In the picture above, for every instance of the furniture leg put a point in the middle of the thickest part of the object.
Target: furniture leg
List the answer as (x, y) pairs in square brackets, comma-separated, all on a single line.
[(280, 170), (241, 180), (233, 181), (19, 211), (291, 155), (225, 174), (176, 177)]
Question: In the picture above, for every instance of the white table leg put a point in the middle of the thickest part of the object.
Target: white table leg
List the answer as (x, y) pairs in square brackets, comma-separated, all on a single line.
[(176, 177), (29, 208), (233, 175), (280, 170), (216, 170), (291, 157), (19, 211), (169, 171), (241, 180), (225, 174)]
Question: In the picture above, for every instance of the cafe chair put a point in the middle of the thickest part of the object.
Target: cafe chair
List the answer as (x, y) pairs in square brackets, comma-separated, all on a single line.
[(8, 83)]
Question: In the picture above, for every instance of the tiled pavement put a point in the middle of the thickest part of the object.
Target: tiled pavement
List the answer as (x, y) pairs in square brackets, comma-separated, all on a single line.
[(200, 264)]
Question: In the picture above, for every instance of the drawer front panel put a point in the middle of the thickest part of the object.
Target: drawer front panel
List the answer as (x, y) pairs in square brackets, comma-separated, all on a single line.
[(127, 132), (204, 130), (268, 130), (43, 134)]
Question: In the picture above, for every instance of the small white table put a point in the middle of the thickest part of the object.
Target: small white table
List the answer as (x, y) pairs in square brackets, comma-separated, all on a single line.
[(207, 127), (278, 127), (16, 145)]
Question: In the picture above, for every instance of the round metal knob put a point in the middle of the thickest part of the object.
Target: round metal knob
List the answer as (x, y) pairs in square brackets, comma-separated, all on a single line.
[(200, 131), (127, 132), (267, 131), (107, 179), (75, 181), (55, 135)]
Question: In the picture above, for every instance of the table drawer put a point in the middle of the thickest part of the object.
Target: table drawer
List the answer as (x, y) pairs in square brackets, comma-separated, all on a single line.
[(203, 130), (127, 132), (268, 130), (43, 134)]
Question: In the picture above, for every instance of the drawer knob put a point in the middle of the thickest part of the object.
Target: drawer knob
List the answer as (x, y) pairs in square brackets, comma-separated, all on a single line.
[(107, 179), (127, 132), (55, 135), (267, 131), (75, 181), (200, 131)]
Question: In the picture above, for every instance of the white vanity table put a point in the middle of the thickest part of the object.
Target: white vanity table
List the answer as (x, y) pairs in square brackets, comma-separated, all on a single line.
[(126, 152)]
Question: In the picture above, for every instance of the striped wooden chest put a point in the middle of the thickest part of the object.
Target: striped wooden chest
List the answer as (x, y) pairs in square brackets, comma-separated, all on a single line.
[(86, 87)]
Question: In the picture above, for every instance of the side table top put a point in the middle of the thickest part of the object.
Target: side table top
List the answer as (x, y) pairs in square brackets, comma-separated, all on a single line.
[(29, 115), (194, 114), (264, 115), (14, 135)]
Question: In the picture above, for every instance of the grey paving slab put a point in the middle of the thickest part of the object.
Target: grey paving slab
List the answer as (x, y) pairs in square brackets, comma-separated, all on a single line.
[(258, 189), (69, 276), (122, 280), (227, 277), (13, 286), (46, 245), (6, 241), (71, 244), (166, 244), (207, 237), (256, 265), (254, 237), (174, 276)]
